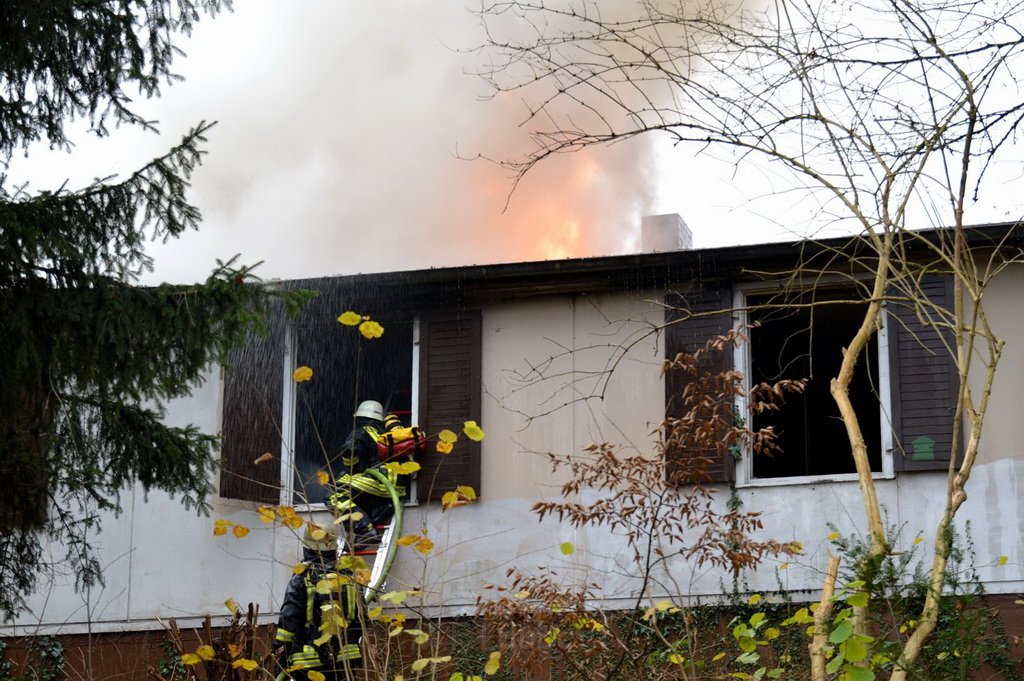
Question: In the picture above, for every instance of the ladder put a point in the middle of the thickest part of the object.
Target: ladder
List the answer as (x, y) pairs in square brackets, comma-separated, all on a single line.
[(382, 556)]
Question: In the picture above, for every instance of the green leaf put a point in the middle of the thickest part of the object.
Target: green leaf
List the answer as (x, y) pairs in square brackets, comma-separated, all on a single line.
[(842, 632), (858, 600), (854, 649), (853, 673), (747, 644), (756, 619), (834, 664), (748, 658)]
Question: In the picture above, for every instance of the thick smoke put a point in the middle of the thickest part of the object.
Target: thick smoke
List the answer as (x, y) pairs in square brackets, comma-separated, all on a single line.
[(341, 127)]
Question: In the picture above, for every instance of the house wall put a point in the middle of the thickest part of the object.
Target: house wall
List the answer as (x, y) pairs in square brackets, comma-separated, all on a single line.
[(544, 363)]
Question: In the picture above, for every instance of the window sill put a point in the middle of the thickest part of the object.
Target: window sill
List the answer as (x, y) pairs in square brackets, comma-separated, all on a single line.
[(809, 480)]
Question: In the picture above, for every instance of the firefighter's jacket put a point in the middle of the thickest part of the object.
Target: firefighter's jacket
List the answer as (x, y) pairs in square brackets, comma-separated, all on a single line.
[(302, 612), (357, 489)]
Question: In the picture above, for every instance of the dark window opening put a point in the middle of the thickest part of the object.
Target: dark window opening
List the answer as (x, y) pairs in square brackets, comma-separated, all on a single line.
[(347, 369), (807, 342)]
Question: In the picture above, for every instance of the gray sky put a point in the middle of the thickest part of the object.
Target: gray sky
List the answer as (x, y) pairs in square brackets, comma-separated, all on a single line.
[(340, 127)]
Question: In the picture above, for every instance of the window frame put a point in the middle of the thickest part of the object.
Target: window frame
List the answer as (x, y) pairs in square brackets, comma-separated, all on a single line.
[(288, 427), (744, 468)]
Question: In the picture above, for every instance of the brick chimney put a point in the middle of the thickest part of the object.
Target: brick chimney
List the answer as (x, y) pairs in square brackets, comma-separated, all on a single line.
[(664, 233)]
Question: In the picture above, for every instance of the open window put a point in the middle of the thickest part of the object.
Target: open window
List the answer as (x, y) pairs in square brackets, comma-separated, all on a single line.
[(425, 370), (905, 388), (347, 369), (801, 337)]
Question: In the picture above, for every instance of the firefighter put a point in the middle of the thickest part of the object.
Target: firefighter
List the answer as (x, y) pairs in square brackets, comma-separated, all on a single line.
[(361, 498), (303, 610)]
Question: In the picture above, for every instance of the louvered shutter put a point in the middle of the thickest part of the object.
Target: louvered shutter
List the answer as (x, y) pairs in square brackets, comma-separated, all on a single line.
[(450, 394), (924, 383), (713, 309), (253, 387)]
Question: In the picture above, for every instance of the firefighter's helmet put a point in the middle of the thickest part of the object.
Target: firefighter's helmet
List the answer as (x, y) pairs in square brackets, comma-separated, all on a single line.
[(320, 543), (370, 409)]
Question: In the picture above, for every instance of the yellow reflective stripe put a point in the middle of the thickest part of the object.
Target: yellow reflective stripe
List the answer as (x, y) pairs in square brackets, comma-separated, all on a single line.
[(350, 460), (305, 658), (343, 505), (284, 636), (370, 487), (372, 432), (349, 652), (359, 482)]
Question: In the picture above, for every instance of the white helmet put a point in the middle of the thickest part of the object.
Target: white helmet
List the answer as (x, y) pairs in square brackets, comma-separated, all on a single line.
[(370, 409), (328, 542)]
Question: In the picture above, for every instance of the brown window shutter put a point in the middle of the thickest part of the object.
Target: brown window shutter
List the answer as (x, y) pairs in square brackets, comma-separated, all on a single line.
[(450, 393), (712, 316), (924, 383), (253, 385)]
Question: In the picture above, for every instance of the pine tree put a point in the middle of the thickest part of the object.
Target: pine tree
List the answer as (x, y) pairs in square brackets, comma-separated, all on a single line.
[(89, 357)]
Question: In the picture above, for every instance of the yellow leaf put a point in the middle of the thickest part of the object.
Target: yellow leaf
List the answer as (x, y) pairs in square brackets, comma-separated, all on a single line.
[(419, 636), (220, 531), (493, 663), (784, 566), (420, 664), (374, 613), (567, 548), (473, 431), (796, 547), (240, 531), (220, 522), (314, 675), (717, 657), (447, 436), (233, 650), (294, 522), (245, 663), (445, 447), (266, 514), (676, 658), (403, 468), (832, 536), (190, 658), (371, 330), (322, 477), (263, 458), (424, 546), (399, 677), (298, 568), (301, 374), (353, 563), (466, 491), (205, 652), (1003, 560), (918, 540), (522, 594), (754, 600), (408, 540), (317, 533), (232, 605), (350, 318), (332, 582)]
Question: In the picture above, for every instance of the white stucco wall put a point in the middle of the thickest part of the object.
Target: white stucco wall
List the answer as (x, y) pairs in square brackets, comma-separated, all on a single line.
[(163, 561)]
